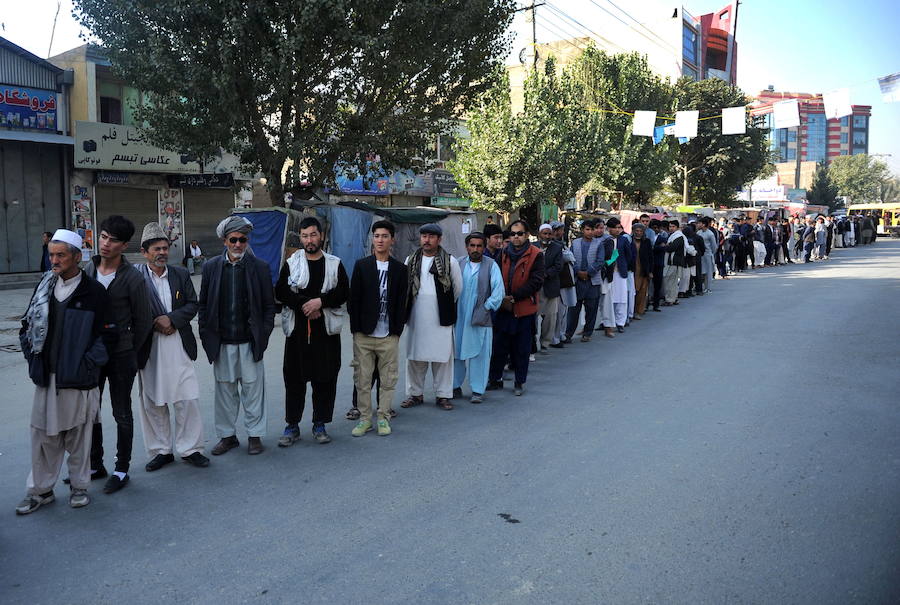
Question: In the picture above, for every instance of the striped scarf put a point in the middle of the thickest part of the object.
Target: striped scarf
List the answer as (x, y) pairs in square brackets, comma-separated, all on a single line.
[(440, 268)]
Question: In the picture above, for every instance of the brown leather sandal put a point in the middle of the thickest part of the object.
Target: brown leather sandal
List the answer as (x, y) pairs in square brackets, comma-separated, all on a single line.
[(413, 401), (443, 403)]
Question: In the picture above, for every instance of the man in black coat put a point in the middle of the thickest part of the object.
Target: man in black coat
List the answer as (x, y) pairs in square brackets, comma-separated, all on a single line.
[(236, 317), (377, 308), (549, 303)]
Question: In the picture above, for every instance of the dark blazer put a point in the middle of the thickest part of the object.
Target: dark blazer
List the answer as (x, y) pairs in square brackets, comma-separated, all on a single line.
[(645, 254), (768, 235), (553, 264), (184, 308), (259, 293), (130, 305), (363, 304)]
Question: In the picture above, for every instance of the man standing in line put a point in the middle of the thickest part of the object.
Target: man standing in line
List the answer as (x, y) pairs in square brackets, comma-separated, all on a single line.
[(131, 312), (377, 309), (768, 240), (661, 235), (553, 265), (494, 235), (435, 284), (522, 269), (64, 338), (615, 304), (710, 247), (674, 267), (45, 251), (313, 286), (588, 253), (643, 268), (566, 286), (482, 294), (809, 239), (166, 361), (236, 317)]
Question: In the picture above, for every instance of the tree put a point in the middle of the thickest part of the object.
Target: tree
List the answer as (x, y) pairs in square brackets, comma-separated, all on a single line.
[(317, 83), (859, 177), (545, 153), (627, 163), (890, 190), (823, 191), (713, 166)]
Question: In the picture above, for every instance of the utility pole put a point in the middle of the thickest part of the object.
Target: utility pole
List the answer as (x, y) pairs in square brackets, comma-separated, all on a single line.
[(533, 9)]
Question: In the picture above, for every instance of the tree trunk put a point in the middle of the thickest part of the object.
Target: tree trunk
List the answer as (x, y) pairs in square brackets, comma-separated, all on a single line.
[(684, 193)]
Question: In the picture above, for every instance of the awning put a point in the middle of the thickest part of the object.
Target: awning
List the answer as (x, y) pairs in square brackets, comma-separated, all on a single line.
[(36, 137)]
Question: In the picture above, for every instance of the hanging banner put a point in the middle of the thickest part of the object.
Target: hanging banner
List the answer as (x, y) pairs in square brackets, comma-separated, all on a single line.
[(890, 88), (837, 104), (734, 120), (643, 123), (170, 215), (786, 113), (686, 124)]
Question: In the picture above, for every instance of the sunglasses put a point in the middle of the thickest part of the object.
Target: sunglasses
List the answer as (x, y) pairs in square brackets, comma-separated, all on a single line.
[(517, 233), (235, 240)]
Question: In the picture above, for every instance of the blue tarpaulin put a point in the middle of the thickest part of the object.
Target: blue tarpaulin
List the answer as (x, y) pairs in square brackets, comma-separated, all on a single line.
[(349, 235), (267, 237)]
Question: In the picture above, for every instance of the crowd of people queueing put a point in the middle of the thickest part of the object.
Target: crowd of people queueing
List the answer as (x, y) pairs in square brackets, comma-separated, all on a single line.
[(105, 322)]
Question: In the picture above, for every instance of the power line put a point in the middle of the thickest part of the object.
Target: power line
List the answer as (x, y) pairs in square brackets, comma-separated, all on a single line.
[(653, 33), (582, 26)]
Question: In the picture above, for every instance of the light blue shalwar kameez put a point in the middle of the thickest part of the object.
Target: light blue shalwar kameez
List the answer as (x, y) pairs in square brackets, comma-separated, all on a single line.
[(473, 343)]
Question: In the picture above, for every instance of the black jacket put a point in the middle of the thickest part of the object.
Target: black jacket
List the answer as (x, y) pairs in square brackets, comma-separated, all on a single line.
[(260, 295), (645, 254), (130, 305), (87, 331), (676, 247), (363, 304), (184, 308), (553, 265)]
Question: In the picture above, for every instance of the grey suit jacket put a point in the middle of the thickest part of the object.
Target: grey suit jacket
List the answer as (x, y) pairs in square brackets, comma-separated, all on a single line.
[(259, 293), (184, 308)]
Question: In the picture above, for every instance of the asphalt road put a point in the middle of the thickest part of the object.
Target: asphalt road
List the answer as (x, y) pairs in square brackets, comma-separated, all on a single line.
[(740, 448)]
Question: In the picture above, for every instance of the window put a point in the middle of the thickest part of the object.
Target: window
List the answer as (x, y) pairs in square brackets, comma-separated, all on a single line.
[(791, 135), (110, 110), (859, 139), (816, 141), (689, 44), (845, 121), (860, 122), (844, 137), (689, 72), (791, 154), (844, 152)]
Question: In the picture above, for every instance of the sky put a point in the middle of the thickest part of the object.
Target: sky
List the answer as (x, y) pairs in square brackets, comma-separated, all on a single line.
[(795, 45)]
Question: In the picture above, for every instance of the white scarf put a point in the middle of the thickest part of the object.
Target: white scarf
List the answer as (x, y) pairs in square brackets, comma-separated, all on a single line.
[(298, 279)]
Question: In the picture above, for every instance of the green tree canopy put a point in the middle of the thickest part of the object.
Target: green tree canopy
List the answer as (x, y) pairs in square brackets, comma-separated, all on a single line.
[(859, 177), (320, 83), (823, 190), (713, 166)]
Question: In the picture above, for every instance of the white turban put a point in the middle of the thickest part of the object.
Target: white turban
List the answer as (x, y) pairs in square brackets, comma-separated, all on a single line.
[(234, 223), (69, 237), (545, 226)]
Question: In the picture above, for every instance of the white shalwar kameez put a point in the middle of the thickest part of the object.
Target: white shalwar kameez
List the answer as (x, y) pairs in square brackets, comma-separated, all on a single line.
[(169, 379), (427, 341)]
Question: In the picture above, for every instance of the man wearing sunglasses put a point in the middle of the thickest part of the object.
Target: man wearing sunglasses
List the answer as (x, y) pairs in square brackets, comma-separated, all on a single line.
[(236, 317)]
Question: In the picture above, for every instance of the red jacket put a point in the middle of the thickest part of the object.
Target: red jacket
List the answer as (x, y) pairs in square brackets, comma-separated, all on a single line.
[(527, 280)]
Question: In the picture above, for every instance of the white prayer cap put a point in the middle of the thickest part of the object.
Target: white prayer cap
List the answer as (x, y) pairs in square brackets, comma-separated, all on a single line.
[(545, 226), (69, 237)]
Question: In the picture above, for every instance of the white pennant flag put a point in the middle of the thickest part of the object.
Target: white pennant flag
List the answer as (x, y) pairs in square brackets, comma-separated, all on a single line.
[(686, 124), (734, 120), (837, 103), (643, 123), (787, 113)]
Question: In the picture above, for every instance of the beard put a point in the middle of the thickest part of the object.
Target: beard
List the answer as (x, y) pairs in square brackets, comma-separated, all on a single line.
[(312, 248), (236, 256)]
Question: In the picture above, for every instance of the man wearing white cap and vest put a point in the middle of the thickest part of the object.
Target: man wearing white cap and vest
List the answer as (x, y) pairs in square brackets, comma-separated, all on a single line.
[(236, 317), (65, 334), (166, 361)]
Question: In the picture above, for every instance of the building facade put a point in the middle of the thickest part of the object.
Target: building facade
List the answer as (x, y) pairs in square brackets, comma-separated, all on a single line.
[(35, 151)]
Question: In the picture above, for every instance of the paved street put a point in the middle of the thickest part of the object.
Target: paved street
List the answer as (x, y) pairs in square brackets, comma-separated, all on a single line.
[(740, 448)]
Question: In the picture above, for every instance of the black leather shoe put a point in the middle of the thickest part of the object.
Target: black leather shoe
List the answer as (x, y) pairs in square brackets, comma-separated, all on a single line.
[(620, 329), (159, 461), (114, 484), (457, 393), (495, 385), (197, 459), (558, 345)]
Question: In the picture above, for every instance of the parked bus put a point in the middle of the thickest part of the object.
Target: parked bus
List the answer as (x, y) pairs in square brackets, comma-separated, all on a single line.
[(888, 215)]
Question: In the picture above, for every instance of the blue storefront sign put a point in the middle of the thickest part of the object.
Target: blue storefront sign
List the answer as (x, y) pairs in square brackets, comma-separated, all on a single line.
[(32, 108)]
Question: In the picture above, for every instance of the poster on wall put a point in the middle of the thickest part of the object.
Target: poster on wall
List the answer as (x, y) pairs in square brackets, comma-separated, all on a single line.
[(171, 219), (83, 219)]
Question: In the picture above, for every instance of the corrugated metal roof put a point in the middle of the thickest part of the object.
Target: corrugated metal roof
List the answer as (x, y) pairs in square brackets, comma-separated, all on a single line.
[(21, 68)]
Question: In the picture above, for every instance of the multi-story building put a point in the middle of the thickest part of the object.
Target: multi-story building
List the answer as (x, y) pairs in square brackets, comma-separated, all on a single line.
[(816, 139)]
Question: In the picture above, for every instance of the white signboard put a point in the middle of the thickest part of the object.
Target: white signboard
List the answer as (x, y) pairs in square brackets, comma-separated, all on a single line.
[(113, 147)]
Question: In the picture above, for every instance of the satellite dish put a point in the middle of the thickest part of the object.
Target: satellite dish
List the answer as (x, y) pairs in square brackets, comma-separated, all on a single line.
[(526, 57)]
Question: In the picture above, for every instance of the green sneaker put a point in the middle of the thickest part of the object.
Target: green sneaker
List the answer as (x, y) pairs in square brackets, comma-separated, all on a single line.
[(362, 427), (384, 427)]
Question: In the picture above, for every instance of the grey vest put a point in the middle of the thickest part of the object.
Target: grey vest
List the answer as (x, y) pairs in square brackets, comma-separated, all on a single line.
[(480, 315)]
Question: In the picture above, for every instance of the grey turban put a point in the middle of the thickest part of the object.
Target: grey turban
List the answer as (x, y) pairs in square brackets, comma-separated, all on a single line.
[(234, 223)]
